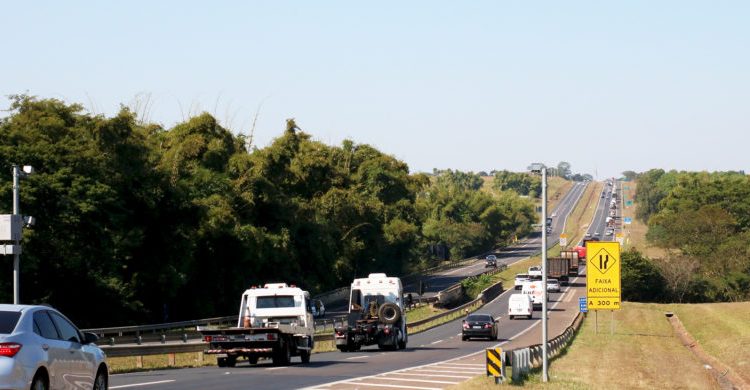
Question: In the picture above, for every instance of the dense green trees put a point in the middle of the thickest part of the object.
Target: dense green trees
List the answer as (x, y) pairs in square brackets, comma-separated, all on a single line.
[(143, 223), (702, 220)]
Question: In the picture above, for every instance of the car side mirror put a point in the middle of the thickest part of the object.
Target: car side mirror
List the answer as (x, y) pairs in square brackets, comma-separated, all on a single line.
[(90, 338)]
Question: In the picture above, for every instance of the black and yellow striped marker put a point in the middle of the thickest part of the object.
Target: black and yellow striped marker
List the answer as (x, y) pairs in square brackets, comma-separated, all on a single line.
[(495, 364)]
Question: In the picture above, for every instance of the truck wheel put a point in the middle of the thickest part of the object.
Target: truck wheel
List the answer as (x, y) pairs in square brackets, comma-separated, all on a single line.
[(283, 355), (221, 362), (252, 359), (343, 348), (389, 313), (231, 361), (305, 356)]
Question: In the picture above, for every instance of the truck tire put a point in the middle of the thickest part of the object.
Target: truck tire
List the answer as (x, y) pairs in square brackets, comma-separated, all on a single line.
[(389, 313), (221, 362), (402, 342), (282, 356), (231, 361), (305, 356), (252, 359)]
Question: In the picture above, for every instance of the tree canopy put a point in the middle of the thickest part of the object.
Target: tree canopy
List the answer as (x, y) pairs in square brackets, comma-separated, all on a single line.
[(153, 224)]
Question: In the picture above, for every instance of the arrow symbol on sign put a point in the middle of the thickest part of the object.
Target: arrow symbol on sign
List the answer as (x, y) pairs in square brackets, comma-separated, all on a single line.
[(603, 264)]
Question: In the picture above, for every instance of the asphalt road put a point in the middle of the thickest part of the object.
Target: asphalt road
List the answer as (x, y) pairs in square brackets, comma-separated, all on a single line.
[(337, 369), (346, 370)]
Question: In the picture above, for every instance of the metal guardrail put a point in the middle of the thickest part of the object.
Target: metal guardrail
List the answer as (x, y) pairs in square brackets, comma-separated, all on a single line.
[(522, 360)]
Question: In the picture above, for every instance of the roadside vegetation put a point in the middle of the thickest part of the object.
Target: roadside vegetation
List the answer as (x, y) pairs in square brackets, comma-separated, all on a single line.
[(700, 223), (582, 215), (155, 224), (633, 357)]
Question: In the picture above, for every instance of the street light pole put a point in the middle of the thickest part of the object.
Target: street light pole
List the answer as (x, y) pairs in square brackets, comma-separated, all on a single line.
[(545, 366), (16, 256), (541, 169)]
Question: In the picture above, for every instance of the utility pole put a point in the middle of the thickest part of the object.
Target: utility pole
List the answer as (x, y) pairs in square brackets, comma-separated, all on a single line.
[(540, 168), (545, 366)]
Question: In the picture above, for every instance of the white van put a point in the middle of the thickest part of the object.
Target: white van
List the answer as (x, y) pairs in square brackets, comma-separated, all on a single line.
[(520, 305), (534, 289)]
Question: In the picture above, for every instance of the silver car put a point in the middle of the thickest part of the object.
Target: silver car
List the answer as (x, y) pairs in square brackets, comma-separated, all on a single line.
[(41, 349)]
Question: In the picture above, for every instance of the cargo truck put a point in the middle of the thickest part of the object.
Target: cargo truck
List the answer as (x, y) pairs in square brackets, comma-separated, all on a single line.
[(573, 259), (376, 315), (275, 321), (557, 267)]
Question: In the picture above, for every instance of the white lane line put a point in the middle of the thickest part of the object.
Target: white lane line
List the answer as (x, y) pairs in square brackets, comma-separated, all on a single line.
[(459, 334), (275, 368), (466, 365), (357, 357), (141, 384), (392, 386), (437, 341), (437, 375), (447, 371), (443, 382)]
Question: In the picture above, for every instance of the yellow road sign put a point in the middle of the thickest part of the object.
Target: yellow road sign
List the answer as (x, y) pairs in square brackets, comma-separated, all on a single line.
[(603, 275)]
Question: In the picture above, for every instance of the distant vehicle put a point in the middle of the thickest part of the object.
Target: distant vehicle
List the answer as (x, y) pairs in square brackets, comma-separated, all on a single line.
[(479, 325), (549, 221), (520, 305), (609, 232), (535, 291), (596, 234), (41, 349), (520, 280), (490, 261), (553, 285), (574, 258), (558, 268), (587, 235), (549, 229), (554, 215), (535, 270)]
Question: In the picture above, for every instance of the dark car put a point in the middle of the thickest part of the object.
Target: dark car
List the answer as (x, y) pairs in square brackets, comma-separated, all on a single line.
[(479, 325), (490, 261)]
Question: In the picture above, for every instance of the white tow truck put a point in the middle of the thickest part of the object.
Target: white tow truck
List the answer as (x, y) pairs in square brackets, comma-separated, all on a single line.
[(376, 315), (275, 321)]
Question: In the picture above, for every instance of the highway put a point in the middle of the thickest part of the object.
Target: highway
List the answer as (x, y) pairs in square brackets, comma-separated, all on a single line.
[(598, 225), (419, 366)]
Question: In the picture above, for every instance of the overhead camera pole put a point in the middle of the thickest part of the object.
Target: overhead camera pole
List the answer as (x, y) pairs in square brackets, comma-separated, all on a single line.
[(18, 173), (16, 256)]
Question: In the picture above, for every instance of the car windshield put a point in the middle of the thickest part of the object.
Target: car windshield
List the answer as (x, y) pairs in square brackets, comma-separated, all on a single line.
[(479, 318), (8, 321)]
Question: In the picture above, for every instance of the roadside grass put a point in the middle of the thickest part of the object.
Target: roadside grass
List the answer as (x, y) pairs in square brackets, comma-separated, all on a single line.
[(635, 233), (119, 365), (722, 329), (556, 189), (581, 216), (641, 354)]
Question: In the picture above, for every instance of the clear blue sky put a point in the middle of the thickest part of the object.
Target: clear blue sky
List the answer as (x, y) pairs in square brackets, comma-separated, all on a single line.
[(607, 86)]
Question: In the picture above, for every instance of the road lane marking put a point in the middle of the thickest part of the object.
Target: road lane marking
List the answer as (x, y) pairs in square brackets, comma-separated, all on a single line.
[(276, 368), (435, 342), (437, 375), (392, 386), (141, 384), (443, 382), (357, 357), (426, 371)]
